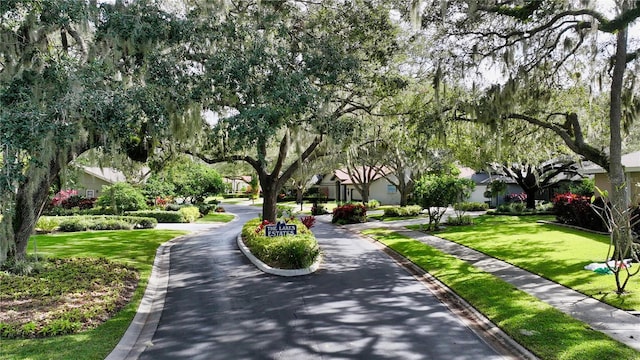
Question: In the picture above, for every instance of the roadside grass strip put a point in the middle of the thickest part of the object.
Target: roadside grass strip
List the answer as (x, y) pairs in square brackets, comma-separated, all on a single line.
[(136, 248), (554, 252), (545, 331), (216, 218)]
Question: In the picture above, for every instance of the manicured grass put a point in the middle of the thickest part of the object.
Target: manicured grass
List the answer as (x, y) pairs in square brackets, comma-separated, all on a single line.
[(216, 217), (554, 252), (136, 248), (545, 331)]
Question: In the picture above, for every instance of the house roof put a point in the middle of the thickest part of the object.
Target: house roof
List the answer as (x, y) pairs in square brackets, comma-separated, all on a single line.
[(109, 175), (343, 176), (631, 162)]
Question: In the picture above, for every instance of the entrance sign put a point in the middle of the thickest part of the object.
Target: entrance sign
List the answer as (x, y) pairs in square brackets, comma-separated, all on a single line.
[(280, 229)]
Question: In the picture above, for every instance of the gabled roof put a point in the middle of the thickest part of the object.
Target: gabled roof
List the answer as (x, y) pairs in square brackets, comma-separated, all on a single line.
[(631, 163), (109, 175), (343, 176)]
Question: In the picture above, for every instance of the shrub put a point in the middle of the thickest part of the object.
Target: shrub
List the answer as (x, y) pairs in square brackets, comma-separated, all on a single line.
[(190, 213), (586, 187), (110, 224), (471, 206), (220, 209), (74, 224), (284, 252), (460, 220), (47, 223), (105, 222), (77, 201), (308, 221), (511, 198), (349, 214), (373, 203), (404, 211), (172, 207), (577, 210), (160, 216), (281, 210), (318, 209), (206, 208), (121, 197)]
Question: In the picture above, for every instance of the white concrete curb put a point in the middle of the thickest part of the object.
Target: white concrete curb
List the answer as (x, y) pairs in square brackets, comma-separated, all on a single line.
[(274, 271)]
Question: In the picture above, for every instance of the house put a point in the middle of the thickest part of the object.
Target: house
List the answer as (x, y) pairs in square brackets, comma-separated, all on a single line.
[(631, 163), (238, 184), (482, 180), (91, 180), (339, 186)]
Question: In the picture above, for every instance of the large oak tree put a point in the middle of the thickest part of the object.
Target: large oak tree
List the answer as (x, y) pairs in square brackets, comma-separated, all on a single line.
[(547, 45), (76, 75), (281, 68)]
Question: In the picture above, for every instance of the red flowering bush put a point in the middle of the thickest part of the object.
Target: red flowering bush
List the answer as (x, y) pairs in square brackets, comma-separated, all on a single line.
[(63, 195), (349, 214), (308, 221), (262, 225), (520, 197), (574, 209)]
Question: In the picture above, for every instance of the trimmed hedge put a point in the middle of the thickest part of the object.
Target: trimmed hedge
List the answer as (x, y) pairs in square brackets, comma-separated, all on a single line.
[(190, 213), (471, 206), (402, 211), (103, 222), (283, 252), (161, 216)]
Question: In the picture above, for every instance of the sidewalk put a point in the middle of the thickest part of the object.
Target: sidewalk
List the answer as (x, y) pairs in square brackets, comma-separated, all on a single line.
[(618, 324)]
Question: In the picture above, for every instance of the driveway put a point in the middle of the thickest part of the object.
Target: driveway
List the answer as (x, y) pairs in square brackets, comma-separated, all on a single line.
[(359, 305)]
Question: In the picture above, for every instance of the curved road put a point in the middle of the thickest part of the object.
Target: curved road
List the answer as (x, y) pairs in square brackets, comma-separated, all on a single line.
[(359, 305)]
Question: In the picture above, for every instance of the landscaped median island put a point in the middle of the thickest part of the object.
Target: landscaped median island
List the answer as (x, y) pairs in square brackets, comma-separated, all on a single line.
[(545, 331), (282, 252)]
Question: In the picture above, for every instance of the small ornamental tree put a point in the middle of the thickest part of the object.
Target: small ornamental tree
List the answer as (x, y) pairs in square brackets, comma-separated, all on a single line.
[(436, 192), (121, 197)]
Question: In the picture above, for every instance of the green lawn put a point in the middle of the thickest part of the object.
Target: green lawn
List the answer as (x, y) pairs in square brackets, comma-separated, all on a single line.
[(542, 329), (137, 247), (216, 217), (554, 252)]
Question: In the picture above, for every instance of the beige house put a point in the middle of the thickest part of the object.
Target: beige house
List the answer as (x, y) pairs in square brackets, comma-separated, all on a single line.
[(92, 179), (339, 186), (631, 163)]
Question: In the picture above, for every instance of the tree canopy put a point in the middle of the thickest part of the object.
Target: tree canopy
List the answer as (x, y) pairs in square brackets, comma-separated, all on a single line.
[(279, 69), (76, 75), (540, 47)]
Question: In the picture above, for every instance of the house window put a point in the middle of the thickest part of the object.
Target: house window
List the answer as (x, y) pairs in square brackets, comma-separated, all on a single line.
[(91, 194), (391, 189)]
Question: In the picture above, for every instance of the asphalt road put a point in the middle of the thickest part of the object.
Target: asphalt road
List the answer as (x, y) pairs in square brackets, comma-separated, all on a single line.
[(359, 305)]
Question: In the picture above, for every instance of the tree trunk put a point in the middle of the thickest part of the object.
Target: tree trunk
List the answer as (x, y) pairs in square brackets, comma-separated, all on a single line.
[(299, 195), (30, 200), (364, 193), (270, 192), (531, 198), (621, 230), (404, 197)]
